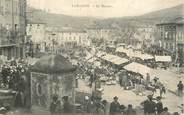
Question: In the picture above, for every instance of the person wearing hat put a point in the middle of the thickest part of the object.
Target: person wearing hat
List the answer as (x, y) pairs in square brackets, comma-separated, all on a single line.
[(66, 105), (159, 105), (165, 111), (162, 90), (55, 106), (149, 106), (106, 107), (114, 106), (130, 110), (180, 88)]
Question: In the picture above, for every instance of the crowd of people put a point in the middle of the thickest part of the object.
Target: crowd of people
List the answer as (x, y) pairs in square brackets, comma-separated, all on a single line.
[(14, 77), (97, 106), (137, 82), (128, 80)]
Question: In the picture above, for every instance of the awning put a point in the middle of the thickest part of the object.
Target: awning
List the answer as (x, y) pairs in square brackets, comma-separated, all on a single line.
[(128, 52), (138, 68), (115, 59), (108, 57), (144, 56), (119, 61), (131, 53), (122, 50), (163, 58)]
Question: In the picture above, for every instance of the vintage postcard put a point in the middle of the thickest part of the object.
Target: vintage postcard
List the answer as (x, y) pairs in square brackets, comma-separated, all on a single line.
[(91, 57)]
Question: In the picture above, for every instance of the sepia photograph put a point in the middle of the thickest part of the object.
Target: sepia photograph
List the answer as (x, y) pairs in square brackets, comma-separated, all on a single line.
[(91, 57)]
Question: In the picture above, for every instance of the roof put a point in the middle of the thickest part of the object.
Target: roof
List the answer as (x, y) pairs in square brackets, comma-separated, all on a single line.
[(53, 64), (176, 21), (35, 22), (163, 58), (119, 61), (131, 53), (138, 68), (144, 56), (72, 31), (123, 50), (169, 23), (101, 28)]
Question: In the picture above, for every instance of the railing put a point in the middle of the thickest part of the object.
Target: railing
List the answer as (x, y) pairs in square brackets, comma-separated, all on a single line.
[(6, 42)]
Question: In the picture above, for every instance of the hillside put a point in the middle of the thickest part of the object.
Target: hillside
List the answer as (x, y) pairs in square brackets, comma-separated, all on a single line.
[(151, 18), (165, 14), (51, 19), (85, 22)]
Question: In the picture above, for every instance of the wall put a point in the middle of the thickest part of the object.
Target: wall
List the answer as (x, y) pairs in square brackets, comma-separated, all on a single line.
[(80, 38), (36, 31), (12, 22)]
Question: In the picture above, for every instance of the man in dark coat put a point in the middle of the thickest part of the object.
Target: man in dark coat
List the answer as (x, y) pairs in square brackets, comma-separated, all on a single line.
[(114, 106), (165, 111), (180, 88), (130, 110), (66, 105), (55, 106), (149, 106), (18, 100), (159, 105)]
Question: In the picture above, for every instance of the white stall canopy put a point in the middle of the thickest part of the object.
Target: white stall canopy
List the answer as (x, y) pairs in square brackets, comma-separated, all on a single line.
[(114, 59), (138, 68), (163, 58)]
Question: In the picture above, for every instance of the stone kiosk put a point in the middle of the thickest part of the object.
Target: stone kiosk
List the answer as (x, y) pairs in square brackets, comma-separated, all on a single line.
[(52, 75)]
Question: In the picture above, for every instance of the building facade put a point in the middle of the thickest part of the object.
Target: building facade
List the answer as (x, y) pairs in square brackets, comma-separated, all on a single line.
[(170, 36), (37, 34), (12, 28), (100, 33), (73, 38)]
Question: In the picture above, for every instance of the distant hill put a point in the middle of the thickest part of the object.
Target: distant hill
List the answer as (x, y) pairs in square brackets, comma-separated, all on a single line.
[(36, 15), (165, 14), (151, 18), (85, 22)]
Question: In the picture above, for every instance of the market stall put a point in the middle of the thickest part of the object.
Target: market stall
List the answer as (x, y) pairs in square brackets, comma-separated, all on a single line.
[(163, 61), (138, 68), (124, 51), (140, 80), (114, 60), (163, 58), (52, 75)]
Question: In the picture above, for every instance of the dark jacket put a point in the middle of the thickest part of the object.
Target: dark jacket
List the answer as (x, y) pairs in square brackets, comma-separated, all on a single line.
[(130, 112), (55, 106), (67, 107), (149, 106), (180, 86), (114, 107), (159, 107)]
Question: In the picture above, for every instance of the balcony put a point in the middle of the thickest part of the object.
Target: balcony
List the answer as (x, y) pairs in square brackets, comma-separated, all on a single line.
[(10, 38), (4, 42)]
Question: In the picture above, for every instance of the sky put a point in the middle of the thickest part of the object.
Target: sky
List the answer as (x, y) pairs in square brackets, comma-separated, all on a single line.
[(103, 8)]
